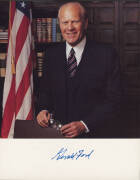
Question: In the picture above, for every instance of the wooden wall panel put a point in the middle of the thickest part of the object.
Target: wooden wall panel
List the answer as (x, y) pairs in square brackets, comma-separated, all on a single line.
[(103, 25), (131, 61), (130, 14), (106, 15), (130, 46), (131, 37), (118, 23), (105, 35)]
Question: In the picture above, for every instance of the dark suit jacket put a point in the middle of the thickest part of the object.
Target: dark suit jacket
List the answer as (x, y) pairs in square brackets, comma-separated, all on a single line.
[(96, 92)]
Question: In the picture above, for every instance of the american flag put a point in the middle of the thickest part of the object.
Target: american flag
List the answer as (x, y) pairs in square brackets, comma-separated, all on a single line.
[(18, 85)]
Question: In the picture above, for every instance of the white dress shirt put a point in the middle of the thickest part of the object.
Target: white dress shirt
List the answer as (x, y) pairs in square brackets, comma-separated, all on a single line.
[(79, 48)]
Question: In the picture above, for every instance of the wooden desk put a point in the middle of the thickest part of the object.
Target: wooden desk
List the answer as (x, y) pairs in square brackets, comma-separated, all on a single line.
[(30, 129)]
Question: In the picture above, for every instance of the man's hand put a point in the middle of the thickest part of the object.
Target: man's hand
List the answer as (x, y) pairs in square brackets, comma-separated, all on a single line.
[(73, 129), (43, 118)]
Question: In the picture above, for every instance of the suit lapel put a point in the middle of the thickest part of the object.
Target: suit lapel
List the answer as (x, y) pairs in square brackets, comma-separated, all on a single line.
[(83, 65), (87, 54), (86, 68)]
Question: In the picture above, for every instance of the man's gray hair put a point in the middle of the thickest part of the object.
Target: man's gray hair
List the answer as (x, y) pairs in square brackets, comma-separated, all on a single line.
[(83, 9)]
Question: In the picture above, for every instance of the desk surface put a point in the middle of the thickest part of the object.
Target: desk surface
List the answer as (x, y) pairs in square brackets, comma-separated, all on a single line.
[(30, 129)]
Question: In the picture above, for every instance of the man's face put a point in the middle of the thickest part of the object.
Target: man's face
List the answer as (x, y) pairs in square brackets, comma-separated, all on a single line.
[(72, 25)]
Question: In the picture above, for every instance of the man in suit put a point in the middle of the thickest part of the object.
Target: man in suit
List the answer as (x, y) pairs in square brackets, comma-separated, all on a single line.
[(81, 81)]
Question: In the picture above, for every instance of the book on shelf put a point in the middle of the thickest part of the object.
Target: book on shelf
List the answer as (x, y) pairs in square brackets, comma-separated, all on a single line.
[(58, 32), (2, 64), (39, 65), (39, 29), (49, 29), (54, 29), (44, 32)]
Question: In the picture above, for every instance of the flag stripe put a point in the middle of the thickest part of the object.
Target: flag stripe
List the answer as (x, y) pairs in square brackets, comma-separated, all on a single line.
[(21, 39), (25, 54), (25, 108), (11, 132), (8, 111), (29, 116), (23, 87)]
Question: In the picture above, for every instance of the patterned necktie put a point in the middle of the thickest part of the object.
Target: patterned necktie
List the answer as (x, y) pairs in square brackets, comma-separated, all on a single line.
[(71, 64)]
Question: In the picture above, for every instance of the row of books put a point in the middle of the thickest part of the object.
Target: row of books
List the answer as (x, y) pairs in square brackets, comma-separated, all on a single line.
[(44, 29), (47, 30), (3, 33), (2, 64)]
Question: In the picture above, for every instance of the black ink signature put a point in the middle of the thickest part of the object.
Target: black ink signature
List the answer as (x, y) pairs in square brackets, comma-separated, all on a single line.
[(63, 154)]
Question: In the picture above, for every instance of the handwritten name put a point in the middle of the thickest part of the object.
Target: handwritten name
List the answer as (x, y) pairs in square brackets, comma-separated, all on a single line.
[(63, 154)]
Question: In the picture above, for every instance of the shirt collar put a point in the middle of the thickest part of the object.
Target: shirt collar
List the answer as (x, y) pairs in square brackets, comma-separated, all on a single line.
[(78, 48)]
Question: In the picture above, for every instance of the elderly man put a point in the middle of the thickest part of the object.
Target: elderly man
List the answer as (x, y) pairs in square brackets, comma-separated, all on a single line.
[(81, 81)]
